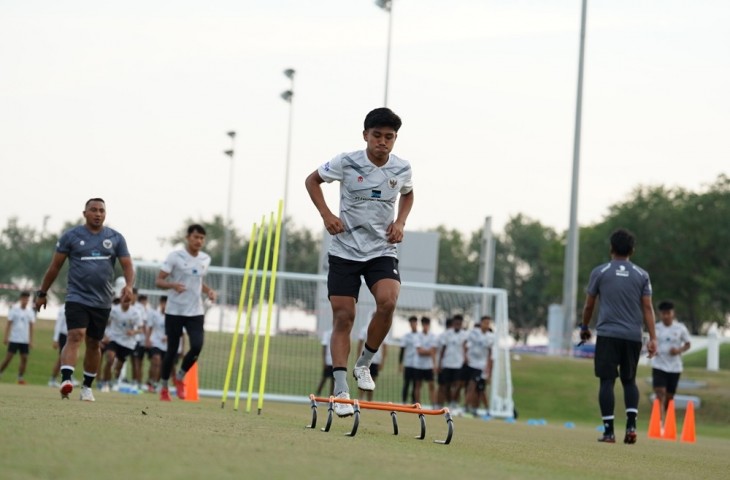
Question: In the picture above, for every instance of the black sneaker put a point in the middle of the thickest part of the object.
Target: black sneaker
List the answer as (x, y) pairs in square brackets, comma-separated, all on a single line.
[(610, 438), (630, 437)]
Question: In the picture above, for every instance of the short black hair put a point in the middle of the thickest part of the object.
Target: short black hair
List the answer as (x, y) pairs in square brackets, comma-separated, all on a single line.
[(425, 320), (665, 305), (86, 205), (412, 318), (163, 298), (622, 242), (382, 117), (458, 317), (24, 293), (196, 227)]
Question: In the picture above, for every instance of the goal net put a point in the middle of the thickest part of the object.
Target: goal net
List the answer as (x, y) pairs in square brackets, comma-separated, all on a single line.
[(299, 317)]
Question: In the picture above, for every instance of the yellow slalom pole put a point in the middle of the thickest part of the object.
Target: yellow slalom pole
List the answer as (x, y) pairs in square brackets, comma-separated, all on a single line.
[(252, 288), (272, 290), (255, 353), (241, 299)]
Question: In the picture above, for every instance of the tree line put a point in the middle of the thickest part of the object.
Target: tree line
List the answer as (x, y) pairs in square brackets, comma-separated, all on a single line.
[(683, 241)]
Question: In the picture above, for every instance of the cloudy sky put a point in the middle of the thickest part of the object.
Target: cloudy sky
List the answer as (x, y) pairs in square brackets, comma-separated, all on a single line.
[(131, 101)]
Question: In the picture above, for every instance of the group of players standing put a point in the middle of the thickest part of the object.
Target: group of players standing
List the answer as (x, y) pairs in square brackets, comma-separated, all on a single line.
[(459, 359)]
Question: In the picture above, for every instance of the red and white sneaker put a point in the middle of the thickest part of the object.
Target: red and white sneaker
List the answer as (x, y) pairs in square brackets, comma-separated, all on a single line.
[(180, 389), (66, 388), (165, 395)]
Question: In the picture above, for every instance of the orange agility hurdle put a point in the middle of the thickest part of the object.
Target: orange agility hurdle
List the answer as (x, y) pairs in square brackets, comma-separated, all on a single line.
[(388, 407)]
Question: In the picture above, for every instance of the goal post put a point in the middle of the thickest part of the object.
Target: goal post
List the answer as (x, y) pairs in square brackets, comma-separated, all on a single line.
[(303, 315)]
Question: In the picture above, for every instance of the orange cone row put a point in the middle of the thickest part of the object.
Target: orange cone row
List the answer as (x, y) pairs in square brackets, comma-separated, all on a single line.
[(670, 424)]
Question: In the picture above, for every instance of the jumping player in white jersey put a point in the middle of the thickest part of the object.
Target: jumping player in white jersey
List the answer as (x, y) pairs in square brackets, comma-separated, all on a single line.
[(183, 274), (365, 234)]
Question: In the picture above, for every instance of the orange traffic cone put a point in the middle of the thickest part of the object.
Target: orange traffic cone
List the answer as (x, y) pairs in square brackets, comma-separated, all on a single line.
[(191, 384), (688, 428), (670, 423), (655, 426)]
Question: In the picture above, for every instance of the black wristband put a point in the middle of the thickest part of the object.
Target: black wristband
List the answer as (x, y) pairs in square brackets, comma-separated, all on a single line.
[(583, 327), (40, 294)]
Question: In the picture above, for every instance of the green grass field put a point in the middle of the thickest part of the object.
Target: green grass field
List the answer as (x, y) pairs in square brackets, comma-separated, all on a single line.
[(124, 436), (121, 435)]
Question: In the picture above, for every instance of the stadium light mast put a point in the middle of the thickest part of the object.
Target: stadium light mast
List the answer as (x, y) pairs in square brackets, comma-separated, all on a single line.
[(227, 232), (288, 97), (570, 275), (387, 5)]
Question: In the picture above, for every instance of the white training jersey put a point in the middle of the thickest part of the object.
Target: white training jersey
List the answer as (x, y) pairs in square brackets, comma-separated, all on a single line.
[(120, 322), (478, 346), (327, 344), (378, 356), (368, 195), (426, 341), (668, 337), (143, 313), (20, 320), (190, 271), (453, 344), (409, 342), (60, 328), (156, 324)]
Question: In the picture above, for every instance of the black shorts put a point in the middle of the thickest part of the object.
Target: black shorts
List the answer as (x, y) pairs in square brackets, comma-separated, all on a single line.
[(449, 375), (473, 374), (343, 279), (174, 325), (154, 351), (121, 352), (14, 347), (93, 319), (616, 357), (374, 369), (662, 379), (424, 374), (139, 350), (410, 374)]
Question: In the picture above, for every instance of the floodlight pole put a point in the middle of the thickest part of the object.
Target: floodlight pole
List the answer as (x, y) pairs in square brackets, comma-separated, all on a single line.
[(387, 5), (570, 275), (223, 300), (287, 96)]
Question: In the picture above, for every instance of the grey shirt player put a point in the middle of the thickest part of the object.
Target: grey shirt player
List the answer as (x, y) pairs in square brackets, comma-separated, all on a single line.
[(620, 285), (91, 264), (368, 195)]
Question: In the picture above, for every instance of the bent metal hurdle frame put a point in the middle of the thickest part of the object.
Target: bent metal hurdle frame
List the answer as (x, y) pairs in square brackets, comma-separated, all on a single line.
[(388, 407)]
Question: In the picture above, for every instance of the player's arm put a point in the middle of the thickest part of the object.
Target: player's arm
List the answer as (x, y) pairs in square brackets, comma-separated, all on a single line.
[(161, 282), (209, 292), (332, 223), (686, 344), (30, 335), (588, 307), (48, 279), (395, 230), (128, 272), (650, 322)]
